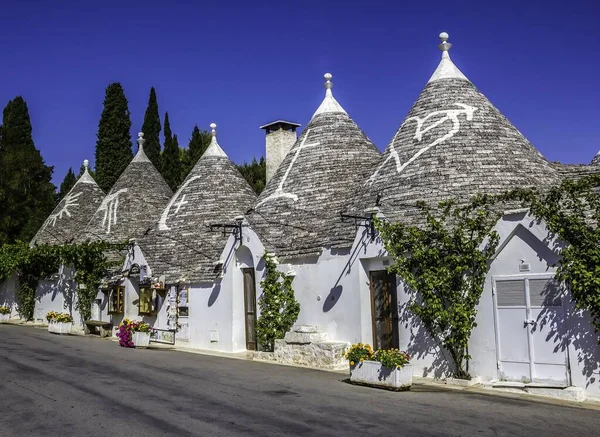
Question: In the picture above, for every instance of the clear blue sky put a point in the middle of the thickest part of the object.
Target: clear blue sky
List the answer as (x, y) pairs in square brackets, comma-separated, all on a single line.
[(244, 63)]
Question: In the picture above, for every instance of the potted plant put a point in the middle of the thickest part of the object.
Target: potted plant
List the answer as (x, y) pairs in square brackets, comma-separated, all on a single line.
[(133, 334), (4, 314), (383, 368), (51, 318), (64, 323)]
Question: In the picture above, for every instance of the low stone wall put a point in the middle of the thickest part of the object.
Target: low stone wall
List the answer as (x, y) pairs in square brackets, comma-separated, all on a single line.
[(307, 346)]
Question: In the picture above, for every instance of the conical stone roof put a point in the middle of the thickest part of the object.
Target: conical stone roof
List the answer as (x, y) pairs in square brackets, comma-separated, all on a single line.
[(181, 245), (298, 213), (453, 143), (133, 204), (72, 214)]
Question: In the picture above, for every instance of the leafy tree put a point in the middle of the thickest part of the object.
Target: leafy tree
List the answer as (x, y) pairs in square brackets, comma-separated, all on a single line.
[(113, 147), (66, 185), (26, 190), (444, 263), (199, 142), (255, 173), (151, 129), (278, 307), (171, 157)]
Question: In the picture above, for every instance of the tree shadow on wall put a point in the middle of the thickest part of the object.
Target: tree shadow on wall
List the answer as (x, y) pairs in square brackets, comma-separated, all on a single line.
[(568, 329), (421, 346)]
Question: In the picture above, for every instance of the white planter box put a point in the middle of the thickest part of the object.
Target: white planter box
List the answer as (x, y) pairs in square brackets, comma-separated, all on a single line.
[(4, 318), (140, 339), (373, 373), (60, 328)]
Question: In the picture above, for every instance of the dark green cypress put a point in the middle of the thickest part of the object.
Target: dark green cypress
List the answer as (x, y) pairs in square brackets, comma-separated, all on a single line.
[(113, 147), (170, 158), (255, 174), (151, 129), (67, 183), (198, 144), (26, 190)]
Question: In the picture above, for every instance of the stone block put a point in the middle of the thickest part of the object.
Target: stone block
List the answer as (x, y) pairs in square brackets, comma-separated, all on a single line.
[(305, 337), (307, 329)]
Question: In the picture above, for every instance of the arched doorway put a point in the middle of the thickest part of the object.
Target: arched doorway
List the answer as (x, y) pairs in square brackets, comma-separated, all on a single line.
[(245, 262)]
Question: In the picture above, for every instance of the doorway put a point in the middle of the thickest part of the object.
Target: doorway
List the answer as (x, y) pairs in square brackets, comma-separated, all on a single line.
[(530, 319), (384, 309), (250, 307)]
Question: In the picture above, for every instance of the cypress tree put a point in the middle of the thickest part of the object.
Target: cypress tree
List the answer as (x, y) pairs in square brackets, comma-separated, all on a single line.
[(66, 184), (198, 144), (151, 129), (170, 159), (26, 190), (255, 173), (113, 147)]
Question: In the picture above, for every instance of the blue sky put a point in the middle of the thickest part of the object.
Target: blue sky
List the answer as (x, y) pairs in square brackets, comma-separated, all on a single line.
[(244, 63)]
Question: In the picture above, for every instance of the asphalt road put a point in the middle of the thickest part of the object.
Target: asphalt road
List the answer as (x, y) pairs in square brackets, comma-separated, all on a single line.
[(87, 387)]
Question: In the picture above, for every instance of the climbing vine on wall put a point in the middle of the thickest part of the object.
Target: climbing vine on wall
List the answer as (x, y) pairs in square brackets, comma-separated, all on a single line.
[(444, 262), (278, 307), (31, 264)]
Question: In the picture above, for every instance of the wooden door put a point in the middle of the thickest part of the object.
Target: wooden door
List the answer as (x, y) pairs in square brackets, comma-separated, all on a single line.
[(384, 309), (250, 307)]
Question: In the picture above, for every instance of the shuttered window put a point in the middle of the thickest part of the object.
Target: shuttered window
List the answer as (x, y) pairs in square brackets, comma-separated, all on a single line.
[(511, 293), (545, 292)]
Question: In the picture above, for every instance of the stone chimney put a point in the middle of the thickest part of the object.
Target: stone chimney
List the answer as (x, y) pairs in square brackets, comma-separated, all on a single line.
[(281, 136)]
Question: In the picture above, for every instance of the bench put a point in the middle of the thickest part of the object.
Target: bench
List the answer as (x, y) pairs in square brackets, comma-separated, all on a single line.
[(98, 327)]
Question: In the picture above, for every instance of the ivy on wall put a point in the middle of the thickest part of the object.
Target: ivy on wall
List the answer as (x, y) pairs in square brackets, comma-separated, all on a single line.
[(278, 307)]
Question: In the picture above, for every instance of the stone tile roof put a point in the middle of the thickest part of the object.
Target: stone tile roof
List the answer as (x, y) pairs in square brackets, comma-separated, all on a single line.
[(181, 245), (453, 143), (298, 213), (133, 204), (72, 214), (575, 171)]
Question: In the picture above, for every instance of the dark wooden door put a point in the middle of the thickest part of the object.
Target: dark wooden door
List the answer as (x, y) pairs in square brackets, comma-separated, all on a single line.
[(384, 308), (250, 306)]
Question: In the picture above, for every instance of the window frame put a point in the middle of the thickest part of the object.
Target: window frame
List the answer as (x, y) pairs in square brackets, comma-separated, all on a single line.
[(119, 291)]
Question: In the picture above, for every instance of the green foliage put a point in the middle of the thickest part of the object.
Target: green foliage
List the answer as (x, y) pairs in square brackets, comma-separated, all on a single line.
[(392, 358), (151, 129), (445, 262), (66, 185), (171, 169), (113, 147), (572, 212), (4, 310), (199, 142), (278, 307), (34, 263), (26, 190), (359, 353), (255, 173)]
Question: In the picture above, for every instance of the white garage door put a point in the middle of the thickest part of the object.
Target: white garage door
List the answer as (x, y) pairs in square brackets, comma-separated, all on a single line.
[(530, 330)]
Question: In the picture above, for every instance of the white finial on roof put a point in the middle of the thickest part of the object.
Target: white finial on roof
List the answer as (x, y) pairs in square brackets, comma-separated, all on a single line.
[(329, 103), (446, 69), (214, 149), (86, 178), (141, 156)]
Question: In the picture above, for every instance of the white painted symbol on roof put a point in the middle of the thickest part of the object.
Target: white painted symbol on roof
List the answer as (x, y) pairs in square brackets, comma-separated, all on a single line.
[(448, 114), (71, 200), (279, 191), (110, 206), (162, 223)]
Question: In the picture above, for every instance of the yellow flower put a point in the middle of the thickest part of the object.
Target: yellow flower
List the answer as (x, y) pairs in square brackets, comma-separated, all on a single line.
[(362, 359), (352, 363)]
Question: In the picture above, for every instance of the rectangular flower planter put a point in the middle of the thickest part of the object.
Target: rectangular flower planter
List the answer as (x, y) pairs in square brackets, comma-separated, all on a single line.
[(4, 318), (373, 373), (60, 328), (140, 339)]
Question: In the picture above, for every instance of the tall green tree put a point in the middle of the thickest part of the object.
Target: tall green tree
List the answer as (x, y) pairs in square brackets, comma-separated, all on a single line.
[(26, 190), (198, 144), (66, 185), (170, 157), (255, 173), (151, 129), (113, 147)]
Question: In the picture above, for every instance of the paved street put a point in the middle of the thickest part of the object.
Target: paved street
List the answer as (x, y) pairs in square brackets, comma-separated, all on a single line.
[(87, 387)]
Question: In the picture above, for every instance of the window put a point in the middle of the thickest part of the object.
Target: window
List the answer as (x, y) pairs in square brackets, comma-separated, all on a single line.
[(147, 302), (182, 303), (115, 300)]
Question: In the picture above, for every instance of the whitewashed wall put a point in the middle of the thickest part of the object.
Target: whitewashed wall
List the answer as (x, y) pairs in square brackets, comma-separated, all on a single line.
[(7, 294)]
